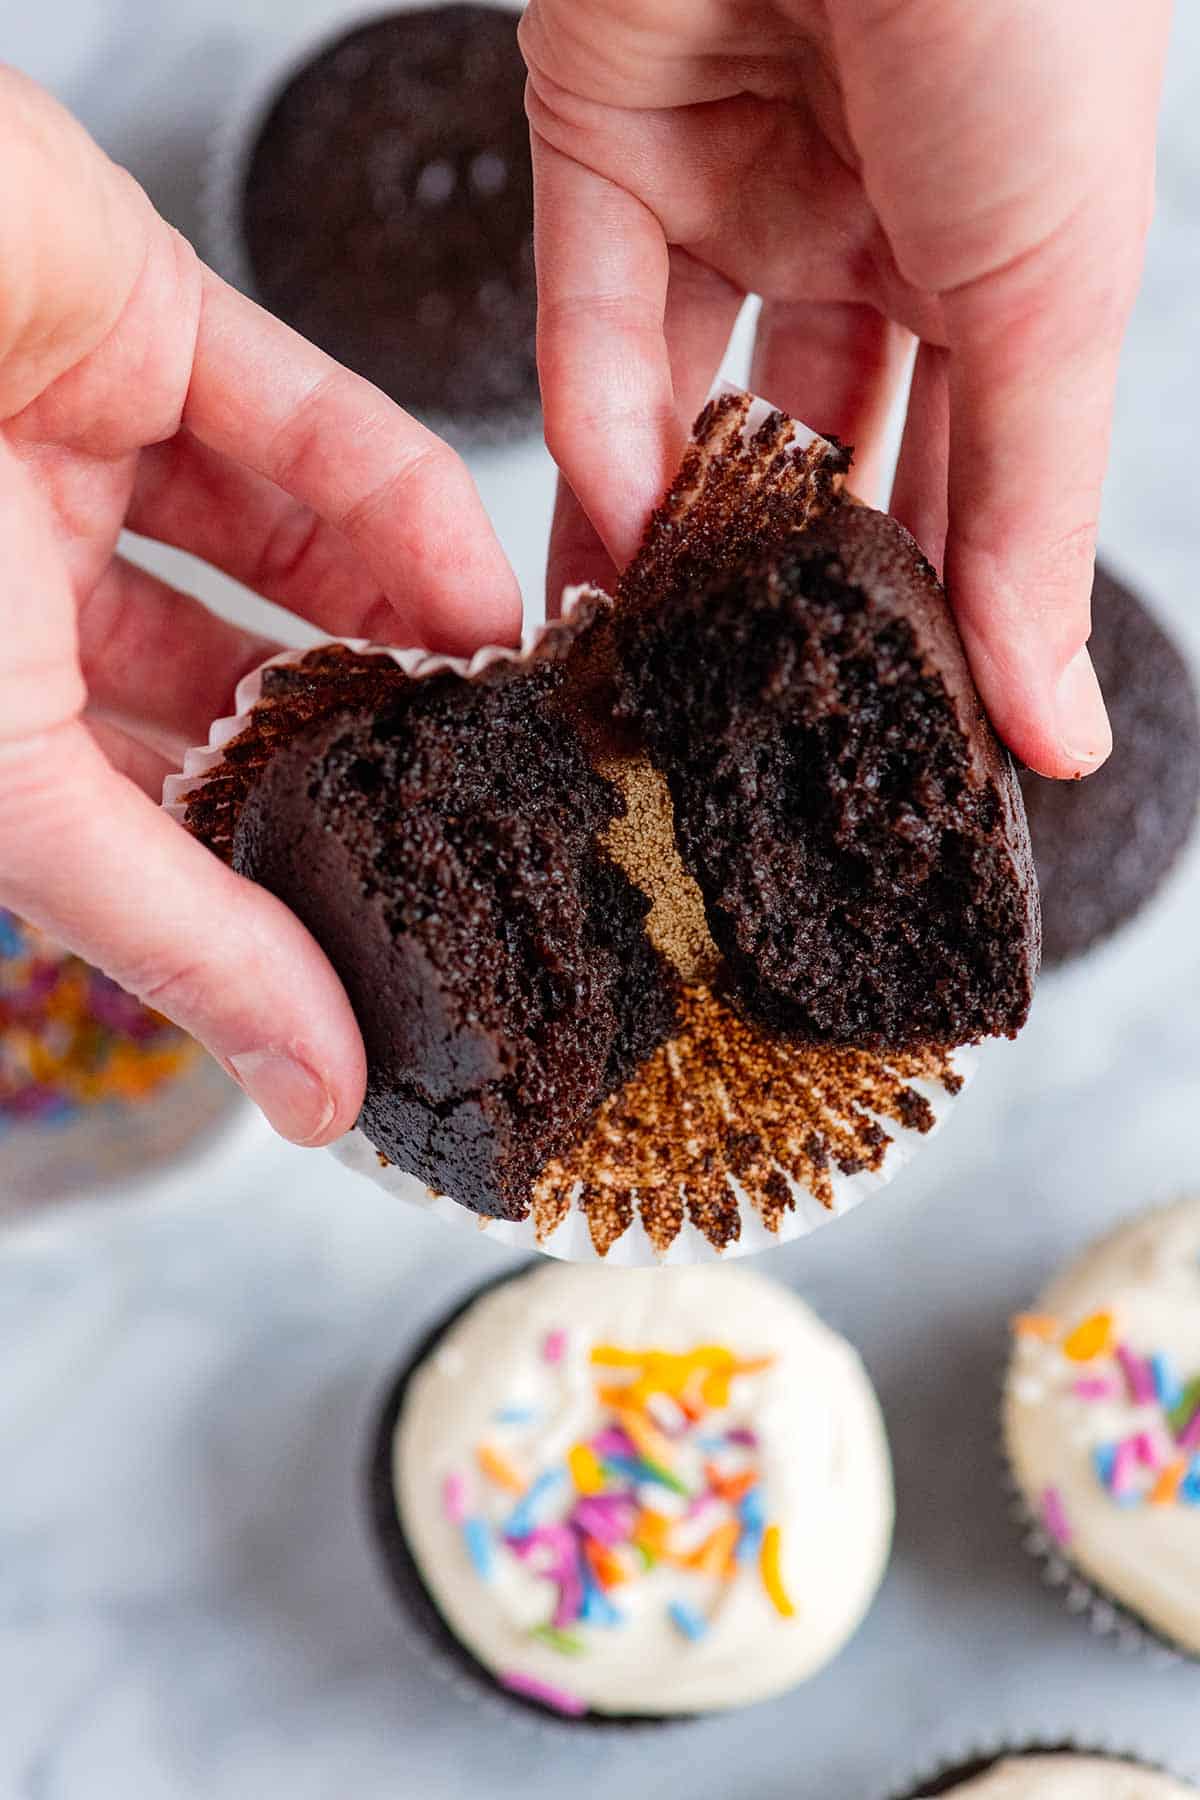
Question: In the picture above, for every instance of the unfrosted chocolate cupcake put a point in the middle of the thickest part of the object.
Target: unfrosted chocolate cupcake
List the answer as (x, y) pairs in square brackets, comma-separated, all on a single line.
[(1105, 845), (387, 211)]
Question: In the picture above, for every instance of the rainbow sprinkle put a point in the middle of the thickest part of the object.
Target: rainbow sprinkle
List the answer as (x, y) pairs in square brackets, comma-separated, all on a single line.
[(530, 1688), (667, 1478), (70, 1038), (769, 1559), (585, 1469), (693, 1624), (523, 1517), (1090, 1339), (497, 1468), (478, 1539), (1054, 1517), (454, 1499)]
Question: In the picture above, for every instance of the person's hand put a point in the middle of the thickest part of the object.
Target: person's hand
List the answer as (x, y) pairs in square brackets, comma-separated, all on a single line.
[(138, 390), (975, 172)]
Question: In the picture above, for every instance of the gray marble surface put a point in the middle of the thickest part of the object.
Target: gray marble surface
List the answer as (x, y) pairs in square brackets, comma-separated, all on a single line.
[(188, 1604)]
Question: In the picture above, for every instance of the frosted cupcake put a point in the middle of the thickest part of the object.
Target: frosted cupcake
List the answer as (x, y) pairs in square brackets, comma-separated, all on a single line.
[(1102, 1423), (630, 1495), (1055, 1775)]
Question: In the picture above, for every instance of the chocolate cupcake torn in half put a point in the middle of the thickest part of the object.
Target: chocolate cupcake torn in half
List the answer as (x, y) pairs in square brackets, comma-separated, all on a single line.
[(673, 922)]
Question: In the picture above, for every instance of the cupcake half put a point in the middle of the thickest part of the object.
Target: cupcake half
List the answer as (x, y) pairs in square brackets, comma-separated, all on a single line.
[(1102, 1425), (1064, 1774), (634, 1495)]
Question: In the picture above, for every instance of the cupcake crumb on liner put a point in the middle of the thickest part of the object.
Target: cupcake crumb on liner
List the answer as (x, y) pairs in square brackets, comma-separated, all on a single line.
[(272, 62), (975, 1756), (728, 1139)]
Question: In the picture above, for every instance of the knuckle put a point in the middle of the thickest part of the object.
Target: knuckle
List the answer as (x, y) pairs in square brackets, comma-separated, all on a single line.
[(299, 439), (429, 467), (181, 991), (287, 549)]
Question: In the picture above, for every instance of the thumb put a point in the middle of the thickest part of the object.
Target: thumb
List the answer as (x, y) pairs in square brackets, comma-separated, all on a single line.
[(87, 856)]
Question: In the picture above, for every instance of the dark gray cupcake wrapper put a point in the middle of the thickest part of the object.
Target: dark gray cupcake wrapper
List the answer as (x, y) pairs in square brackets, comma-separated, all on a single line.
[(976, 1758)]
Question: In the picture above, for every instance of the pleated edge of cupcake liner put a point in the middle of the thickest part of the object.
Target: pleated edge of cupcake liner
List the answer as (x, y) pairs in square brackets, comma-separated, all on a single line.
[(461, 1670), (1107, 1617), (226, 158), (1040, 1739), (571, 1239), (203, 760)]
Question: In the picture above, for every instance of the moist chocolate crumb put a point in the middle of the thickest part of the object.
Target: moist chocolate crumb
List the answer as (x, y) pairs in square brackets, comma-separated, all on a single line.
[(854, 827)]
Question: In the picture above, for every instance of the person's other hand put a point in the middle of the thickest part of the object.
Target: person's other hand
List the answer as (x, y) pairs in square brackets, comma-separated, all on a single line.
[(138, 390), (977, 173)]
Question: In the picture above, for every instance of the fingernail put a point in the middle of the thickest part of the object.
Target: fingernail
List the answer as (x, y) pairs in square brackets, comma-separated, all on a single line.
[(296, 1102), (1080, 714)]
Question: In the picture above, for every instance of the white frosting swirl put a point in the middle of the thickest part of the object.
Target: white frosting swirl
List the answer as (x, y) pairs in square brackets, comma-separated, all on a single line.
[(817, 1441), (1061, 1414), (1071, 1778)]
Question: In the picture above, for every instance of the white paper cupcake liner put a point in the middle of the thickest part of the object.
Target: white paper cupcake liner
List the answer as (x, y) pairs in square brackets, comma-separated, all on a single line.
[(1037, 1740), (829, 1128), (271, 62)]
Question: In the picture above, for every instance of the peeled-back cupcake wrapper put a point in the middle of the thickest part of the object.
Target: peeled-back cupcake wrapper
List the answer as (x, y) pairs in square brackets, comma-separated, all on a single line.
[(1030, 1740), (1106, 1616), (728, 1139), (271, 63)]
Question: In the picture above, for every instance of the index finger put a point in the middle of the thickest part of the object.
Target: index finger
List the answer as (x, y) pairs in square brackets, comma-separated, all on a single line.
[(265, 396), (611, 419)]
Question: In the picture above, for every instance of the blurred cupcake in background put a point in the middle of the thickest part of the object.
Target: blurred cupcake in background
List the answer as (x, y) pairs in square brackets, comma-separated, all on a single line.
[(1062, 1773), (1105, 846), (1102, 1430), (625, 1496), (377, 193), (94, 1087)]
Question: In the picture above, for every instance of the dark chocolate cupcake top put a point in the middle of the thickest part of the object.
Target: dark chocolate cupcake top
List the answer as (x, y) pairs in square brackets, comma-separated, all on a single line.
[(388, 211), (1103, 846)]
